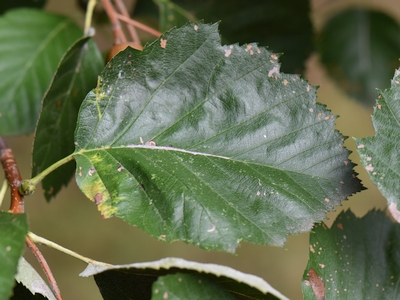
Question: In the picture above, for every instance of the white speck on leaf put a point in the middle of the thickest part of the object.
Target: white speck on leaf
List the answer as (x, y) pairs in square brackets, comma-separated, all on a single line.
[(394, 211), (163, 43), (272, 71), (361, 146), (121, 74), (311, 110), (120, 168), (8, 248), (212, 228), (228, 52), (196, 27), (165, 295), (369, 158), (274, 56), (91, 171), (369, 168)]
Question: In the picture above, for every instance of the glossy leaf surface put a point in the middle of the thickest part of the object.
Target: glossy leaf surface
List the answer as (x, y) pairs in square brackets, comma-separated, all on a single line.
[(360, 49), (357, 258), (28, 62), (75, 77), (209, 144), (13, 229), (115, 282), (380, 153)]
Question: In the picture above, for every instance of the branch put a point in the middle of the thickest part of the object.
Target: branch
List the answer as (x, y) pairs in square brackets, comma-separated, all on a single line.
[(39, 256), (13, 176)]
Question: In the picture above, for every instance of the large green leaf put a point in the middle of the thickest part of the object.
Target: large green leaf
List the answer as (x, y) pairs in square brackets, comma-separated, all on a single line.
[(360, 49), (140, 280), (6, 5), (13, 229), (210, 144), (354, 259), (380, 154), (75, 77), (32, 43)]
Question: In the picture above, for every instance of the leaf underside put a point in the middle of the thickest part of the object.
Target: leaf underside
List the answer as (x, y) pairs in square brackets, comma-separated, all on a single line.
[(354, 259), (75, 77), (140, 280), (28, 63), (380, 154), (209, 144), (13, 229)]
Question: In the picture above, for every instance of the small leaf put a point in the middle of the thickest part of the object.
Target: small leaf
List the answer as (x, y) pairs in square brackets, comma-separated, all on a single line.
[(32, 282), (360, 48), (380, 154), (209, 144), (136, 280), (13, 229), (187, 286), (357, 258), (75, 76), (32, 43)]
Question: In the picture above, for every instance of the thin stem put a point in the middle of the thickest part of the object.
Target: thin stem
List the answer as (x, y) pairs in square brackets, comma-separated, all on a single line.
[(39, 256), (132, 31), (89, 15), (119, 36), (139, 25), (13, 177), (38, 239), (38, 178), (3, 191)]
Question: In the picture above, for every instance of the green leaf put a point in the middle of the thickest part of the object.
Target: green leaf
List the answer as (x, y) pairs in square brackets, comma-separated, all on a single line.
[(13, 229), (360, 48), (380, 154), (357, 258), (30, 284), (187, 286), (124, 281), (253, 20), (75, 77), (32, 43), (231, 148)]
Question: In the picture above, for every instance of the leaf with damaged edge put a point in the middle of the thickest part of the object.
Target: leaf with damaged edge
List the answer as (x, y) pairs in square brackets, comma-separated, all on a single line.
[(13, 229), (28, 63), (357, 258), (54, 140), (115, 282), (380, 153), (209, 144)]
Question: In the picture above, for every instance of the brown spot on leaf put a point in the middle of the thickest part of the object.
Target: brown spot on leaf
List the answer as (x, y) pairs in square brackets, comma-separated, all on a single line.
[(163, 43), (317, 284), (312, 249), (98, 198), (340, 226)]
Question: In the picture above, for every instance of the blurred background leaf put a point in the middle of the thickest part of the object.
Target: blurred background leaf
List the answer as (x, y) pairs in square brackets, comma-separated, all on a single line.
[(141, 279), (75, 77), (357, 258), (262, 21), (32, 43), (360, 49), (380, 153), (13, 229), (6, 5)]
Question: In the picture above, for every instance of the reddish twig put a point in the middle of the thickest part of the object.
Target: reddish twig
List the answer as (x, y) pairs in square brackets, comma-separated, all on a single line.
[(39, 256), (13, 177), (119, 36), (139, 25), (132, 30)]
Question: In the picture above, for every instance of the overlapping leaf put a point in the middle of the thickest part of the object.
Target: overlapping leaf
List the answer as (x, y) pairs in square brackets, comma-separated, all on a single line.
[(360, 48), (141, 280), (13, 229), (354, 259), (380, 153), (75, 77), (209, 144), (28, 62)]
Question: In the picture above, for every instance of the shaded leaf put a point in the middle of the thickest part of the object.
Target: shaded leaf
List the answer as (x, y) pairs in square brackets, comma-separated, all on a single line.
[(360, 49), (209, 144), (254, 20), (380, 154), (6, 5), (124, 281), (75, 77), (29, 284), (13, 229), (357, 258), (32, 43), (187, 286)]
